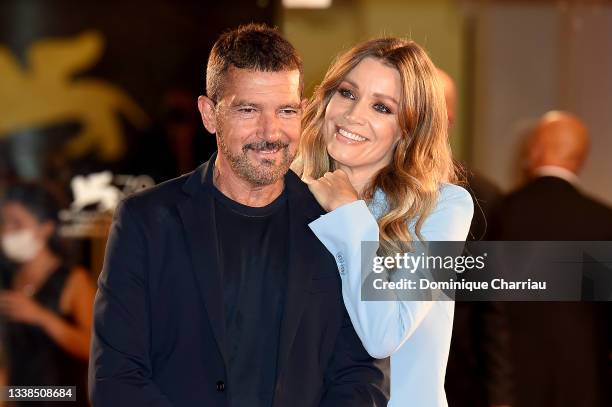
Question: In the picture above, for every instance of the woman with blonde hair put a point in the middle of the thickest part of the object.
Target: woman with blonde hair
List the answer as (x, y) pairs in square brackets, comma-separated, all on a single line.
[(375, 153)]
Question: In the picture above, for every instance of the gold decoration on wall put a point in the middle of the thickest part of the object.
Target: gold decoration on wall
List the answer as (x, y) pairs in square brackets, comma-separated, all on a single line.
[(46, 93)]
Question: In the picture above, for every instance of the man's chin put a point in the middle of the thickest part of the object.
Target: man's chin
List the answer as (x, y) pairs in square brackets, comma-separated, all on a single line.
[(278, 161), (264, 172), (260, 169)]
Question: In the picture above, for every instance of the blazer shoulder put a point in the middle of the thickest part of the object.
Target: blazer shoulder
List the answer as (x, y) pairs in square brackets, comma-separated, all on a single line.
[(300, 194), (155, 204), (451, 218), (597, 208), (165, 192), (452, 195)]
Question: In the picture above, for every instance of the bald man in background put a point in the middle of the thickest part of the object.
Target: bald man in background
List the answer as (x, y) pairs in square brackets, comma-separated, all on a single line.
[(559, 350), (551, 205)]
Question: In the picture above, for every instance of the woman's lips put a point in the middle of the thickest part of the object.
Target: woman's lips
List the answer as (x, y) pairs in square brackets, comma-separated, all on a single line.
[(349, 137)]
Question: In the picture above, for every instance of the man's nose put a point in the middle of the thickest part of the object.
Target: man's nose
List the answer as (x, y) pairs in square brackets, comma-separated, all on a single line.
[(355, 113), (269, 127)]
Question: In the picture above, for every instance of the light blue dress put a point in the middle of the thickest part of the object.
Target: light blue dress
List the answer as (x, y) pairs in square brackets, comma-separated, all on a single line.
[(416, 334)]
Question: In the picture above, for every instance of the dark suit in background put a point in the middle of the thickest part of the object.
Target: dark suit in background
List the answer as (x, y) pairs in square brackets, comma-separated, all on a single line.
[(486, 196), (159, 334), (478, 370), (477, 373), (559, 350)]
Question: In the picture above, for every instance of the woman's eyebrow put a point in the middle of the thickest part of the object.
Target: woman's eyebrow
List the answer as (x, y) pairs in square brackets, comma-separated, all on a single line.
[(378, 95), (383, 96), (350, 82)]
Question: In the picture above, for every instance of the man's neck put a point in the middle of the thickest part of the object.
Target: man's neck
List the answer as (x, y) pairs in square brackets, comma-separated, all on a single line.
[(241, 191), (558, 172)]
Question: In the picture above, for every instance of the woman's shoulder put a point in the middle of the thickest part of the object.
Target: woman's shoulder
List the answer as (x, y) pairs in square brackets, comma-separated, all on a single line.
[(456, 196), (79, 280), (454, 192), (450, 220), (450, 196), (79, 283), (80, 275)]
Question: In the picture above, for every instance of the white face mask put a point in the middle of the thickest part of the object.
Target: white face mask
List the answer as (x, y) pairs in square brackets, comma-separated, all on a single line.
[(21, 246)]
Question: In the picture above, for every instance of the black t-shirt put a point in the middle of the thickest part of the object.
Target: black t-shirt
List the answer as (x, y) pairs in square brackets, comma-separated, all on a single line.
[(253, 256)]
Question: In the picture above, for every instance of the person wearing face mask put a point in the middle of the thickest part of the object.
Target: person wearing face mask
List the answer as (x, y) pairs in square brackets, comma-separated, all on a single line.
[(46, 305), (376, 156)]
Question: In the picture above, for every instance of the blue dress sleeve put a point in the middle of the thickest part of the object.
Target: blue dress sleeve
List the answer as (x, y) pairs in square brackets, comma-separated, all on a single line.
[(383, 326)]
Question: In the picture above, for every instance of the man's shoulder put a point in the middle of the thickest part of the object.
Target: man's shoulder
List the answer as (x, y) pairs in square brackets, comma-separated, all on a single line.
[(301, 195), (529, 192), (167, 192), (597, 207)]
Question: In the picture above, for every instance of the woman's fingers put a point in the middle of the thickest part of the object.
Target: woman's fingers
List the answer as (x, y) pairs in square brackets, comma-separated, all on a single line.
[(332, 190), (307, 180), (341, 174)]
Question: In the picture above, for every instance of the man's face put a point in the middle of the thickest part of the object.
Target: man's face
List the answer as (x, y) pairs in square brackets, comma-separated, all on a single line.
[(257, 123)]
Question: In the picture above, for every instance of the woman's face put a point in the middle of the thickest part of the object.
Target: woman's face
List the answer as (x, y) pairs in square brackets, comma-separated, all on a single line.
[(23, 236), (361, 127), (15, 218)]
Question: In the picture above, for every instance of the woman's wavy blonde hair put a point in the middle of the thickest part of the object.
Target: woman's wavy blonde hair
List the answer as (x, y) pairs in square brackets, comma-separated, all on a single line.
[(422, 159)]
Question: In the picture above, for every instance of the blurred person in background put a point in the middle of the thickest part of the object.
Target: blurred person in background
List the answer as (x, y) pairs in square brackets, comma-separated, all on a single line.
[(484, 192), (559, 349), (478, 372), (47, 305), (176, 144)]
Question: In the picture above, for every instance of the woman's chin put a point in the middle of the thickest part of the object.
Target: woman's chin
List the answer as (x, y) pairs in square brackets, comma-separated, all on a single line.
[(345, 163)]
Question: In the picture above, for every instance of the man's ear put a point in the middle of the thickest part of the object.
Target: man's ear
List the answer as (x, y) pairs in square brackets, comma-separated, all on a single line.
[(207, 110), (303, 104)]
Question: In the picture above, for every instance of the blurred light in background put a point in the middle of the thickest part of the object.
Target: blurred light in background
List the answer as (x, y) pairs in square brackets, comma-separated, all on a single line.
[(307, 3)]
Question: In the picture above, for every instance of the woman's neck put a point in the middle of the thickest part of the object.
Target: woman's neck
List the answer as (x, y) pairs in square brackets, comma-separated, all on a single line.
[(40, 266), (359, 178)]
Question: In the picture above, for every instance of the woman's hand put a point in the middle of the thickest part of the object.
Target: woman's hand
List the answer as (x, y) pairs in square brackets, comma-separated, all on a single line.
[(332, 190), (17, 306)]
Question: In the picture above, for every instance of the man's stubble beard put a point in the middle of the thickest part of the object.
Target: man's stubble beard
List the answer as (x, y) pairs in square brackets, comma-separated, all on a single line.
[(263, 173)]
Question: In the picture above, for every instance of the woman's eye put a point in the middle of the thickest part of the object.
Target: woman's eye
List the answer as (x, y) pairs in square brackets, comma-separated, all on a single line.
[(346, 93), (382, 108)]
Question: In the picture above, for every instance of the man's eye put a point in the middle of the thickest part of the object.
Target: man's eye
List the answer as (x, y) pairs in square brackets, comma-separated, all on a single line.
[(379, 107), (246, 110), (289, 112), (346, 93)]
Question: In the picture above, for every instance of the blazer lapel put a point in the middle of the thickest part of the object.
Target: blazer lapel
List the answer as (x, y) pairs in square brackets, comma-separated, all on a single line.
[(303, 257), (198, 217)]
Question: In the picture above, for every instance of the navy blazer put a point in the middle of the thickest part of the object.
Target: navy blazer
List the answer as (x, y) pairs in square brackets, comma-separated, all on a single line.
[(159, 332)]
